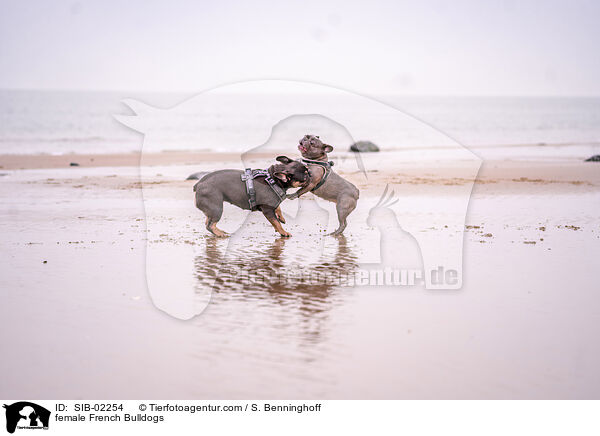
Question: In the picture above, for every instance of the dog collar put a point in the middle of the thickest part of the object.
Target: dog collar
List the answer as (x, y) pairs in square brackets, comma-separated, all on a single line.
[(326, 166)]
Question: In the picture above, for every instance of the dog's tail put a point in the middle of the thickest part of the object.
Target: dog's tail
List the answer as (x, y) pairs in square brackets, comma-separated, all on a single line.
[(197, 176)]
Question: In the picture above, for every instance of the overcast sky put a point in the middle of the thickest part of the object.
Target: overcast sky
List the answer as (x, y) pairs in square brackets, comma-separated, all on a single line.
[(374, 47)]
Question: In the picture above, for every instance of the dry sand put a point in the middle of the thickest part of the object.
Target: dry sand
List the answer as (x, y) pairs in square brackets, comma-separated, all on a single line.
[(77, 320), (20, 161)]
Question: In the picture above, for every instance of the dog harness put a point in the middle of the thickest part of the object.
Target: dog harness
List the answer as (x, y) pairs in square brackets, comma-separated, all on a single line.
[(249, 176), (326, 165)]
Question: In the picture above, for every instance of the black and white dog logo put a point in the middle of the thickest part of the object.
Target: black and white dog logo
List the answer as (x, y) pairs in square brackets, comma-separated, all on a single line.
[(26, 415)]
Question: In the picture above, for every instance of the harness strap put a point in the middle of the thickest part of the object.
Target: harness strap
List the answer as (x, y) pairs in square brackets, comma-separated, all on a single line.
[(249, 176), (326, 166)]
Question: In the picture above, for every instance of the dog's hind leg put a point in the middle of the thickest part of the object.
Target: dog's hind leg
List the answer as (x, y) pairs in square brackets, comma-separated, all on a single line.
[(211, 226), (212, 206), (344, 206), (212, 219)]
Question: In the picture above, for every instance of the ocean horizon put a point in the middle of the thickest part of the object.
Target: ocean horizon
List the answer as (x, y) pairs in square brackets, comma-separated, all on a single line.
[(82, 122)]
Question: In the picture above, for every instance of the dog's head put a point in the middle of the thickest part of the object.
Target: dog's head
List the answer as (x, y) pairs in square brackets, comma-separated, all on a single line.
[(312, 147), (291, 173)]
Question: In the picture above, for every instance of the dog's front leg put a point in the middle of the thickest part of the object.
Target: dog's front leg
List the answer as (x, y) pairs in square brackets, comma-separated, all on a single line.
[(316, 175), (279, 215), (269, 214), (301, 191)]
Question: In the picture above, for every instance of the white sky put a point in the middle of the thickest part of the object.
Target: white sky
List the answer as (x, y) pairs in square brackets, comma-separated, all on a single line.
[(448, 47)]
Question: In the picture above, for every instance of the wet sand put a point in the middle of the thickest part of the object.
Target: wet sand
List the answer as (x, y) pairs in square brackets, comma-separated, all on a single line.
[(78, 322)]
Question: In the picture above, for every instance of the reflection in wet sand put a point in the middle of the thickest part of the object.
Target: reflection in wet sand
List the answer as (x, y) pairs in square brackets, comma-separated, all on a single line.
[(302, 298)]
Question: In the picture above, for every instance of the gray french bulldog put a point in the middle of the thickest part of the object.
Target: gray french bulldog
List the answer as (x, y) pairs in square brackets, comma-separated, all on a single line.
[(324, 182), (226, 185)]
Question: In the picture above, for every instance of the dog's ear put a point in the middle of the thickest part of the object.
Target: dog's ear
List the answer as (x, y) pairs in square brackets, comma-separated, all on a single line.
[(283, 159), (281, 176), (327, 148)]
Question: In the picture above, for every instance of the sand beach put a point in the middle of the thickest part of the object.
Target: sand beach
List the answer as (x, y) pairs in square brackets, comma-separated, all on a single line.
[(83, 324)]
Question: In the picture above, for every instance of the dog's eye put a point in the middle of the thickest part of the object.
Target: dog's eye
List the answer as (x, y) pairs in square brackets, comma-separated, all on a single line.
[(312, 142)]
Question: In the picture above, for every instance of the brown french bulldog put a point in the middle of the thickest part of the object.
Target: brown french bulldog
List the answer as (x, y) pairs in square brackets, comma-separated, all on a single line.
[(324, 182), (227, 185)]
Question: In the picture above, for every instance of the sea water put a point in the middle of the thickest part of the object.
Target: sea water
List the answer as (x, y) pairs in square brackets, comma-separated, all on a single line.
[(59, 122)]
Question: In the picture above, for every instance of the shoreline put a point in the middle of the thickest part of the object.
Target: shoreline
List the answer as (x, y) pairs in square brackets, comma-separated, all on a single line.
[(131, 159), (560, 176), (91, 160)]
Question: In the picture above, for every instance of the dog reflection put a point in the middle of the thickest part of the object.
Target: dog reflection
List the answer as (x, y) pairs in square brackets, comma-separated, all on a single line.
[(309, 294)]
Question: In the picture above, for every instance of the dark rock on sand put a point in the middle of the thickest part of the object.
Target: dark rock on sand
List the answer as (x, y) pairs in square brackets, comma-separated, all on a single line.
[(74, 164), (364, 147), (197, 176), (595, 158)]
